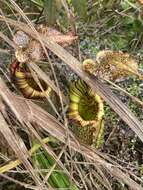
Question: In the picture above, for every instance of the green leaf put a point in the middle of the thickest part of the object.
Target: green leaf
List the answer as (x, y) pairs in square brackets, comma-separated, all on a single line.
[(57, 179)]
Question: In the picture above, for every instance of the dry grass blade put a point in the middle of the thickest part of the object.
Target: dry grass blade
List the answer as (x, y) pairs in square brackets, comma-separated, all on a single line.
[(14, 164), (6, 51), (22, 116), (51, 125), (6, 39), (70, 15), (105, 182), (116, 87), (18, 147), (18, 182), (45, 78), (100, 88), (36, 79), (46, 147), (13, 104)]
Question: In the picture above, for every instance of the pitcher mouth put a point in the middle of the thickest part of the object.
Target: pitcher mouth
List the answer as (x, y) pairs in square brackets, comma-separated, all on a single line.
[(26, 82), (85, 107), (32, 89)]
